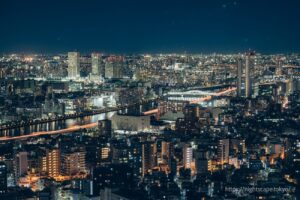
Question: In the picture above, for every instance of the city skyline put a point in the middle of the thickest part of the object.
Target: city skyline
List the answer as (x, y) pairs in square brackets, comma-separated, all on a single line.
[(150, 100), (155, 126)]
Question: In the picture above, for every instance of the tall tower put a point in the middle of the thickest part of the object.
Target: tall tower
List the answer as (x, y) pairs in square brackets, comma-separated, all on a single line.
[(50, 163), (149, 151), (248, 82), (279, 64), (223, 151), (20, 164), (166, 152), (96, 63), (239, 76), (73, 64), (187, 156)]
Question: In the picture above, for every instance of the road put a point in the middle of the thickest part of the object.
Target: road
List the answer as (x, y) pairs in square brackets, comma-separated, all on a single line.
[(41, 133)]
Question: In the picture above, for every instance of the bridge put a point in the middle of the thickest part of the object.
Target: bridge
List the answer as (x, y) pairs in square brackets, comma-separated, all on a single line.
[(207, 97), (213, 87), (197, 96)]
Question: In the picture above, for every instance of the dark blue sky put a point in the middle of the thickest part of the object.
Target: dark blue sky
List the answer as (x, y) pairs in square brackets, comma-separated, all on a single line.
[(141, 26)]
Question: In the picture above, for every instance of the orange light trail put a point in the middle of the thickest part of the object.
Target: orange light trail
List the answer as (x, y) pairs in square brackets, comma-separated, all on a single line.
[(41, 133), (151, 112), (208, 98)]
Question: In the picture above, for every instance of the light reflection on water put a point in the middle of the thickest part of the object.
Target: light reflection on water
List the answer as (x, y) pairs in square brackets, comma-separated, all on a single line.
[(56, 125)]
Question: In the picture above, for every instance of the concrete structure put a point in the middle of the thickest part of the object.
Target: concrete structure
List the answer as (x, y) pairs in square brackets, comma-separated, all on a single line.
[(248, 81), (51, 163), (114, 69), (239, 76), (21, 164), (223, 151), (73, 163), (187, 156), (130, 123), (279, 65), (96, 61), (73, 65), (149, 151), (104, 127)]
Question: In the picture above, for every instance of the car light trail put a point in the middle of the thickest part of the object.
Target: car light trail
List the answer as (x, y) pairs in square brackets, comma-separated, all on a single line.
[(41, 133)]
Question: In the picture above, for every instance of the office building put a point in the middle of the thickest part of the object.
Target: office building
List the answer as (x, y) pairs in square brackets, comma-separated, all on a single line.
[(166, 148), (114, 68), (239, 76), (223, 151), (96, 62), (73, 65), (149, 151), (248, 81), (279, 65), (202, 163)]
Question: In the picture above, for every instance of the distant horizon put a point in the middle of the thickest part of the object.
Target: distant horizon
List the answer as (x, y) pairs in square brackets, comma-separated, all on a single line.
[(134, 26), (145, 53)]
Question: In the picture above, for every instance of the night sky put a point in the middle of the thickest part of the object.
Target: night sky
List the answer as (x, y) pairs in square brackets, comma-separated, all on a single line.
[(149, 26)]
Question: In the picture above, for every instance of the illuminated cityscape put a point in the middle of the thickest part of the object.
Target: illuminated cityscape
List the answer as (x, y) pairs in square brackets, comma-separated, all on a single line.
[(129, 125)]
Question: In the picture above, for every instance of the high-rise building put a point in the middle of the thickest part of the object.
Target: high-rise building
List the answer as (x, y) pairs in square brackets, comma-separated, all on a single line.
[(187, 156), (149, 151), (51, 163), (120, 154), (165, 149), (73, 163), (2, 72), (104, 127), (3, 178), (21, 164), (223, 151), (114, 68), (166, 152), (96, 61), (201, 161), (187, 125), (239, 76), (73, 64), (248, 82), (279, 64)]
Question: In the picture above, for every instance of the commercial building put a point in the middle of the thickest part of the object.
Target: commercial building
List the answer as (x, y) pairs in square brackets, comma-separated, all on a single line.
[(73, 65)]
